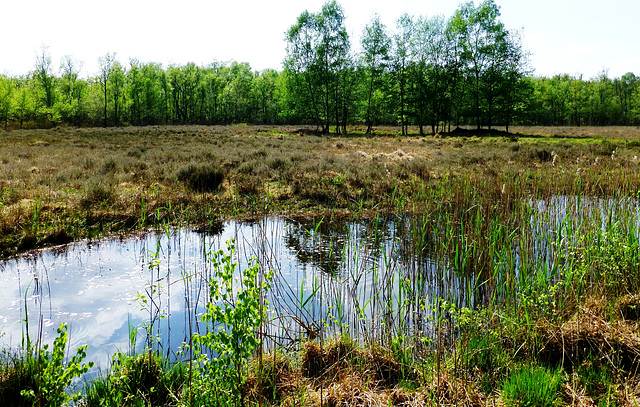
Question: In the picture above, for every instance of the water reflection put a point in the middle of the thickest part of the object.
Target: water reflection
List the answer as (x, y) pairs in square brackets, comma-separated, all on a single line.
[(350, 276), (371, 278)]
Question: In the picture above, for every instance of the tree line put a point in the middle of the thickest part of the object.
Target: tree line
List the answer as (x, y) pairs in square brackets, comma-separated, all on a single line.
[(434, 73)]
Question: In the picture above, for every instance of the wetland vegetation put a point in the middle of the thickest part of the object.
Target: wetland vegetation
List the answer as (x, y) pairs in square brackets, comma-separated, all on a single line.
[(531, 270)]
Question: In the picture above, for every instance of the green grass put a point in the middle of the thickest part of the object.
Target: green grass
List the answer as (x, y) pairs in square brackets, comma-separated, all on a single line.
[(138, 380), (532, 386), (17, 372)]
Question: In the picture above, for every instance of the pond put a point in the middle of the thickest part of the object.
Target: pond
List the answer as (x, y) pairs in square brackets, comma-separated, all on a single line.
[(120, 294), (371, 278)]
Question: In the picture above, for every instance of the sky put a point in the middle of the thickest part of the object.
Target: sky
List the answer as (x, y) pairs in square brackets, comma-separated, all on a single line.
[(577, 37)]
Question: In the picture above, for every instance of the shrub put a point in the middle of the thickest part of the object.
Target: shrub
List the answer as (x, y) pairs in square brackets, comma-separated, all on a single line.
[(109, 167), (96, 193), (52, 375), (233, 317), (278, 163), (201, 178), (543, 155)]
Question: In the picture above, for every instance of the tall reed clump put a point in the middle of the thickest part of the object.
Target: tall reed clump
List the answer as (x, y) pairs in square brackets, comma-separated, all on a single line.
[(537, 284)]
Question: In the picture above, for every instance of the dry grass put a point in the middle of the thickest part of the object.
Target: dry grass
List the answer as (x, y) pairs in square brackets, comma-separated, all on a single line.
[(339, 373), (613, 340), (63, 184)]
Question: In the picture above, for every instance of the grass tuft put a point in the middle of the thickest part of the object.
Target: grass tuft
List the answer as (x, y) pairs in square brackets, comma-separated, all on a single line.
[(141, 380), (201, 178), (17, 373), (532, 386)]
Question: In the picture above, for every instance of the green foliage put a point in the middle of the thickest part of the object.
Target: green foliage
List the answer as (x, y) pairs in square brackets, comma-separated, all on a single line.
[(466, 69), (612, 256), (17, 372), (318, 65), (376, 48), (6, 96), (234, 317), (532, 386), (53, 376), (142, 380)]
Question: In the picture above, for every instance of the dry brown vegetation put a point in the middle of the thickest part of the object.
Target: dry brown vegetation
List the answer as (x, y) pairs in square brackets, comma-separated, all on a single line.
[(340, 373), (63, 184)]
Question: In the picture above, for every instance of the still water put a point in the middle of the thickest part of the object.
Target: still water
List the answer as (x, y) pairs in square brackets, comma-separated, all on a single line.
[(358, 276), (371, 278)]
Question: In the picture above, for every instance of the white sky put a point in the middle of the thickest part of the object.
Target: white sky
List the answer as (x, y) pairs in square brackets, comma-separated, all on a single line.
[(563, 36)]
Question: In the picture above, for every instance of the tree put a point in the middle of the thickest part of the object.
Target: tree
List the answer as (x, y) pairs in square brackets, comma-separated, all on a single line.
[(185, 81), (70, 71), (70, 86), (436, 51), (401, 63), (155, 93), (428, 74), (628, 90), (239, 92), (117, 79), (24, 104), (576, 100), (317, 51), (492, 58), (552, 99), (346, 95), (212, 89), (455, 70), (135, 89), (105, 64), (45, 77), (7, 88), (300, 63), (510, 87), (267, 89), (376, 46)]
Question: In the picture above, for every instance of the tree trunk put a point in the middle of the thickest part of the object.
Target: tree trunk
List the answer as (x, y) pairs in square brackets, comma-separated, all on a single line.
[(105, 105)]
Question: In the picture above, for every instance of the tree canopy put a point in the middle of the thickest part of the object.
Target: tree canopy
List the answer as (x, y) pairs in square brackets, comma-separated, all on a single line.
[(431, 72)]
